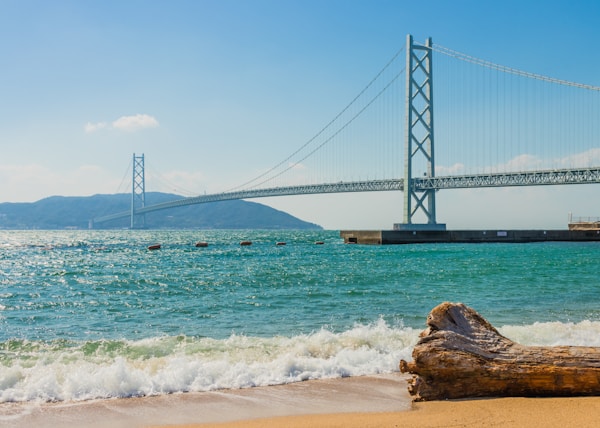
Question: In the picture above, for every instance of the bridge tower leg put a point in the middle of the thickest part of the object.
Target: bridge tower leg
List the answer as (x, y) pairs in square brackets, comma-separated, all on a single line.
[(419, 142), (138, 193)]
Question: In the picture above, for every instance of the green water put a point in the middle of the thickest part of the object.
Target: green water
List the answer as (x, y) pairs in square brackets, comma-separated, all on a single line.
[(101, 301)]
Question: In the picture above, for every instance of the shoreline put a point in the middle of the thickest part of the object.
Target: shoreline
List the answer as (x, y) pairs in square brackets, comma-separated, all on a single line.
[(375, 393), (354, 402)]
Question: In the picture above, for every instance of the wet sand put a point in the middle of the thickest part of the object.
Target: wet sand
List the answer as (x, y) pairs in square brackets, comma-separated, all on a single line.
[(381, 393), (358, 402)]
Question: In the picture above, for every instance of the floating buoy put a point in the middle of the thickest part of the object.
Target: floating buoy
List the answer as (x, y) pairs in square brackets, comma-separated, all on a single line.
[(246, 243), (154, 247), (280, 243), (201, 244), (319, 243)]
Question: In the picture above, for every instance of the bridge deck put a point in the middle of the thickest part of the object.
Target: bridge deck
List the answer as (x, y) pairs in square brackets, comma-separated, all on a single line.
[(530, 178)]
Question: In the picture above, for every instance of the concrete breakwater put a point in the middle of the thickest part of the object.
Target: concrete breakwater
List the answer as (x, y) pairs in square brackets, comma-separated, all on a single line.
[(391, 237)]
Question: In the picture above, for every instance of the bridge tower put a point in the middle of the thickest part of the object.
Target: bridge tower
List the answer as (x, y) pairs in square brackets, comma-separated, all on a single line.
[(419, 142), (138, 193)]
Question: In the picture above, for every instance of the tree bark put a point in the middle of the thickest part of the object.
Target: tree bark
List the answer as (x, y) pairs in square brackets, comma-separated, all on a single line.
[(461, 355)]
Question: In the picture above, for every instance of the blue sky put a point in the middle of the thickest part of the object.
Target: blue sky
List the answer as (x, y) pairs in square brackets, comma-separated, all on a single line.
[(214, 91)]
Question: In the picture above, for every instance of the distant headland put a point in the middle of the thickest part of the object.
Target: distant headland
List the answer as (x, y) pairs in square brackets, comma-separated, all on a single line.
[(74, 212)]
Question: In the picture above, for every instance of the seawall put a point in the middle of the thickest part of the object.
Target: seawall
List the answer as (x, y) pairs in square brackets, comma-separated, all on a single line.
[(391, 237)]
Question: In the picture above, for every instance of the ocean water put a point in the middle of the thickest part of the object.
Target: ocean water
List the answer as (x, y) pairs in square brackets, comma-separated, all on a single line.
[(95, 314)]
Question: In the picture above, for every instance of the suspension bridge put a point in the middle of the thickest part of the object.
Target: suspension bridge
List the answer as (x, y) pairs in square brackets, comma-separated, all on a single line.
[(495, 126)]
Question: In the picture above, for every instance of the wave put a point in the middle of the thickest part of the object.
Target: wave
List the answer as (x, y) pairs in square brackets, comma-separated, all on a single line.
[(71, 371), (64, 370), (584, 333)]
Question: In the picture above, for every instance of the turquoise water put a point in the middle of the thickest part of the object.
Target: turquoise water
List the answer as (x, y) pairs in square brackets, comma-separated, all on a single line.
[(95, 314)]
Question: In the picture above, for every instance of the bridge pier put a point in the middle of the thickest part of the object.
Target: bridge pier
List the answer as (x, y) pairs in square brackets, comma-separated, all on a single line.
[(391, 237), (419, 226)]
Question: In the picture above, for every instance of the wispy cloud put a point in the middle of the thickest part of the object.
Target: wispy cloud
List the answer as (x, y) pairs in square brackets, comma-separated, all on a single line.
[(581, 160), (133, 123), (31, 182), (93, 127), (450, 170), (124, 123), (524, 162), (528, 162), (296, 165)]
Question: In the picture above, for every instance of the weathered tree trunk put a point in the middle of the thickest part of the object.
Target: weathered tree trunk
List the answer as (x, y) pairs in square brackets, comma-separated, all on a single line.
[(462, 355)]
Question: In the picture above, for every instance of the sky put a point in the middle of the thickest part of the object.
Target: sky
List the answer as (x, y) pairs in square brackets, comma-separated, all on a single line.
[(214, 91)]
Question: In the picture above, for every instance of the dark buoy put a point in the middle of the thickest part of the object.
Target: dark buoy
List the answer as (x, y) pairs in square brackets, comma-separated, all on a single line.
[(201, 244), (154, 247), (319, 243), (280, 243), (245, 243)]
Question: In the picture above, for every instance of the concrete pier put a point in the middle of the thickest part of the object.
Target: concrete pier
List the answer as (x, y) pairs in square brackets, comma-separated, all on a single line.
[(391, 237)]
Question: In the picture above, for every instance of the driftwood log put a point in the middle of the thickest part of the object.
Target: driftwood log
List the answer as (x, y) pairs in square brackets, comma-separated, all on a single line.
[(461, 355)]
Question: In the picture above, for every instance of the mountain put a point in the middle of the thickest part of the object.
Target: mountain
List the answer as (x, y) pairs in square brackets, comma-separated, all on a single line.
[(62, 212)]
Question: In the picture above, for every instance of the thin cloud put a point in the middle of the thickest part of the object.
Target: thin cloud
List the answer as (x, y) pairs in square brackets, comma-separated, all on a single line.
[(32, 182), (296, 166), (93, 127), (124, 123), (581, 160), (450, 170), (524, 162), (133, 123)]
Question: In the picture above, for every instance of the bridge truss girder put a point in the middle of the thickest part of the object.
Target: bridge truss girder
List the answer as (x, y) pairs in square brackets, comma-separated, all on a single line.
[(532, 178), (310, 189)]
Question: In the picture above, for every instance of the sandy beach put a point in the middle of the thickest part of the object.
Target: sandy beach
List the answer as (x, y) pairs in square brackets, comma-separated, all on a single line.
[(499, 412), (369, 401), (380, 393)]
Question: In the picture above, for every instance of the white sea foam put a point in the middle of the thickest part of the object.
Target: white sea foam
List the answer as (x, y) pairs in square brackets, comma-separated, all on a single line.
[(584, 333), (173, 364), (32, 372)]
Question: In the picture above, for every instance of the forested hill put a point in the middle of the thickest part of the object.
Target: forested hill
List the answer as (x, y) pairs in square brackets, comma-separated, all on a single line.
[(66, 212)]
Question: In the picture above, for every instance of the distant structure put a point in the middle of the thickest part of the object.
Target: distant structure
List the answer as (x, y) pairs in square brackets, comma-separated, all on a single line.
[(584, 223), (487, 148), (138, 193)]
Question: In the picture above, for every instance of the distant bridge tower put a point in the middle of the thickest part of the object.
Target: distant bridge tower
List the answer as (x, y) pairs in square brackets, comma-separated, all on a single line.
[(138, 193), (418, 144)]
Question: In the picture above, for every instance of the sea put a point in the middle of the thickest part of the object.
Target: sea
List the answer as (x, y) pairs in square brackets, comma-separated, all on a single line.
[(88, 315)]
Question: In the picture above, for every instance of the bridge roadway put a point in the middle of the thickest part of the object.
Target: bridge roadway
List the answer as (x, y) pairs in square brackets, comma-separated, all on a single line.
[(531, 178)]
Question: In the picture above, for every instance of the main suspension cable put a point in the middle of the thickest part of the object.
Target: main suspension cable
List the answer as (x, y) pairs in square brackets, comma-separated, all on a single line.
[(505, 69), (331, 122)]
